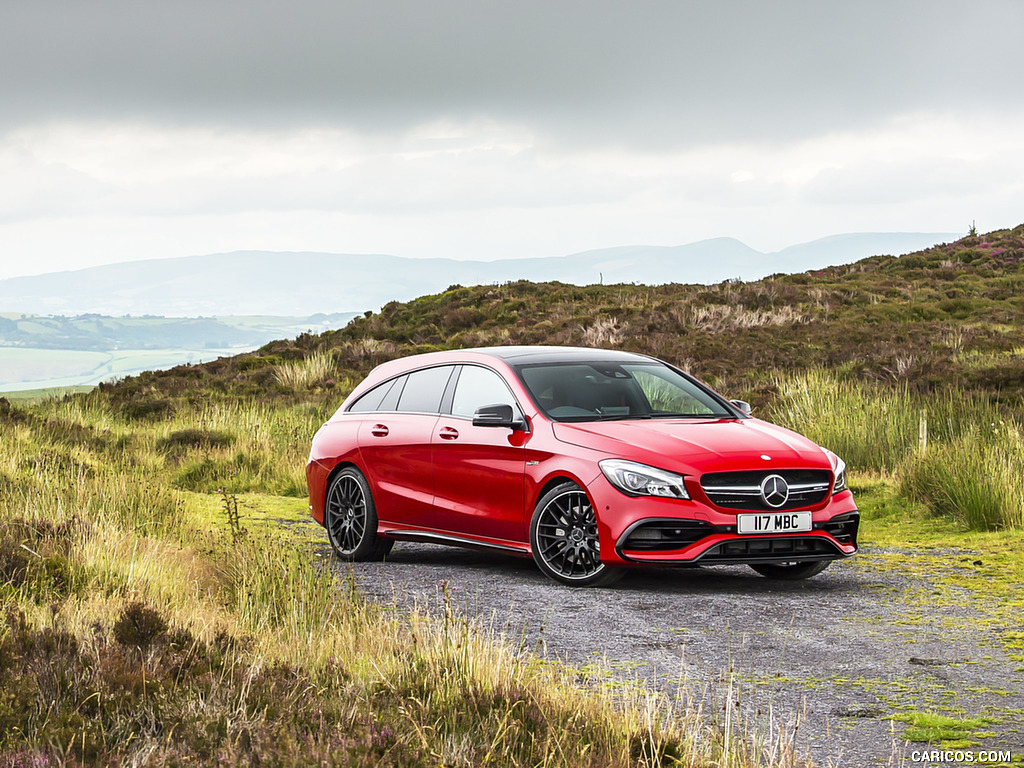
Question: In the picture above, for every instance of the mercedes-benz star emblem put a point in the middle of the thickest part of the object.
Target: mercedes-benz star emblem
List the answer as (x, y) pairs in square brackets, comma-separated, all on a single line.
[(774, 491)]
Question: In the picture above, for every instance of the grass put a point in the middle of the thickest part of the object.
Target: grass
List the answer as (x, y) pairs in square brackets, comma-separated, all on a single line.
[(947, 732), (978, 482), (175, 600), (149, 620), (301, 374), (968, 467)]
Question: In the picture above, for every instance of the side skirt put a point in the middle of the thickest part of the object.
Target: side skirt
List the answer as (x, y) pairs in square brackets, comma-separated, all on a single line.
[(522, 550)]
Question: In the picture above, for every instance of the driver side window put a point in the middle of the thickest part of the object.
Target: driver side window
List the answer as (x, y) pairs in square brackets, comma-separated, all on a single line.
[(478, 387)]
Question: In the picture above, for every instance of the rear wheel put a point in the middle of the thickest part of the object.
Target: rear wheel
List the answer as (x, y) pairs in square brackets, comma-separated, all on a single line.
[(351, 518), (792, 571), (563, 537)]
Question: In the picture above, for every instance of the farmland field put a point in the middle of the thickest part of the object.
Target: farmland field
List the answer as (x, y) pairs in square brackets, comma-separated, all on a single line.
[(45, 351), (26, 368)]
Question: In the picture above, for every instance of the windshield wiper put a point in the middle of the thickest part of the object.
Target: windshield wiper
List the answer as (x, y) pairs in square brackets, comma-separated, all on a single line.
[(691, 416)]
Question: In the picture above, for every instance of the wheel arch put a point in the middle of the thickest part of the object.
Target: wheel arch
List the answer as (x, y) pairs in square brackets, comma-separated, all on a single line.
[(340, 466), (601, 574), (330, 479), (554, 481)]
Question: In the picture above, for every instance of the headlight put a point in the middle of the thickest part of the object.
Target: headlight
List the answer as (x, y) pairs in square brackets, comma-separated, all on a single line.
[(641, 480), (838, 469)]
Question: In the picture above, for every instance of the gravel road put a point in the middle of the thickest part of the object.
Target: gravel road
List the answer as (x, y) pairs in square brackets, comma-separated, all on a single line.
[(833, 657)]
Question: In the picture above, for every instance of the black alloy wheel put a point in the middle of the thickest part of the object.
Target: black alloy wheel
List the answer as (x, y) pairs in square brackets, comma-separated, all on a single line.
[(351, 518), (791, 571), (563, 537)]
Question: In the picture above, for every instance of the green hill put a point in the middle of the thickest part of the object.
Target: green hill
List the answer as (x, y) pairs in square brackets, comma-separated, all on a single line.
[(946, 316), (874, 359)]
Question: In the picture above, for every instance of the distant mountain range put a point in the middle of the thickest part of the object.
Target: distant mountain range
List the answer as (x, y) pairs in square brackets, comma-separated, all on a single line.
[(302, 284)]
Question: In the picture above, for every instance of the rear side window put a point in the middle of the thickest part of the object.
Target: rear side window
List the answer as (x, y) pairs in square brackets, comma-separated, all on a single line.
[(424, 389), (390, 401), (371, 400)]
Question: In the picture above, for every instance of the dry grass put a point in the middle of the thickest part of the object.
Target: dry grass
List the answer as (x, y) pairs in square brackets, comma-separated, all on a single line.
[(717, 318), (303, 374), (159, 619), (605, 332)]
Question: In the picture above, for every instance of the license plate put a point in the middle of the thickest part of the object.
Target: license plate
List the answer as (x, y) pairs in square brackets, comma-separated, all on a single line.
[(775, 522)]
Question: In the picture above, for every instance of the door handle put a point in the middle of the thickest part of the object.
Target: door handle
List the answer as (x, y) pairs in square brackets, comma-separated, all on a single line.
[(379, 430), (449, 433)]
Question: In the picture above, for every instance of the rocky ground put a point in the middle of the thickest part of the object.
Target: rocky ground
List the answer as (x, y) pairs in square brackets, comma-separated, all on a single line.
[(831, 659)]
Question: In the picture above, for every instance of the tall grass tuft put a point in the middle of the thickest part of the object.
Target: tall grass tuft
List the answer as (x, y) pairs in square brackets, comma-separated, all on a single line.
[(870, 428), (980, 483), (303, 374), (972, 469)]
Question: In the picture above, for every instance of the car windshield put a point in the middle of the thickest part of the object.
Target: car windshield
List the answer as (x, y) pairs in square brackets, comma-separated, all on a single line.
[(618, 391)]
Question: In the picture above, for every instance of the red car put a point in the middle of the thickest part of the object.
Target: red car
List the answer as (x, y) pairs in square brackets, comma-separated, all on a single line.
[(587, 460)]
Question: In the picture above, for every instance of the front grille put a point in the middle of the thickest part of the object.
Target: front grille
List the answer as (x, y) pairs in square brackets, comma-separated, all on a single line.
[(781, 548), (742, 490), (665, 535)]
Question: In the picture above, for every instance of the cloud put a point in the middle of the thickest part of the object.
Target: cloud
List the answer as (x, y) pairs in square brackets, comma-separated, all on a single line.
[(479, 128), (644, 74), (34, 188), (920, 158), (152, 170)]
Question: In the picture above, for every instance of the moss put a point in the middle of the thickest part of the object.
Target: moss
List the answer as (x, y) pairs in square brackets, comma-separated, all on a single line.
[(948, 732)]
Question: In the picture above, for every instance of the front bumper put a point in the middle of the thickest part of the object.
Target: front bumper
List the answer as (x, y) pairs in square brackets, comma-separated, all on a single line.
[(649, 530)]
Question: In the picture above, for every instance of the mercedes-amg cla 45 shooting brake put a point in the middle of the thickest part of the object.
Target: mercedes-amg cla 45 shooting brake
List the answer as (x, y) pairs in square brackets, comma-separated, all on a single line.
[(588, 460)]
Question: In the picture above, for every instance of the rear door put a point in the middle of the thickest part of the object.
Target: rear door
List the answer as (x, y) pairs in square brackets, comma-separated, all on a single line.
[(395, 443)]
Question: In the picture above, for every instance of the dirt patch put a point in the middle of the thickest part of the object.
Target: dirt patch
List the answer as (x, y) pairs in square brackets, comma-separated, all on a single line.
[(832, 659)]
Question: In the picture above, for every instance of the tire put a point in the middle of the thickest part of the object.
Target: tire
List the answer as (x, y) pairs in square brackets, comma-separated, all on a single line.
[(563, 538), (351, 518), (792, 572)]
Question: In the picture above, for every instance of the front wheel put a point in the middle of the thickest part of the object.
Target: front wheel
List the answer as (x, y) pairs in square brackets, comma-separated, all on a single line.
[(563, 537), (351, 518), (792, 571)]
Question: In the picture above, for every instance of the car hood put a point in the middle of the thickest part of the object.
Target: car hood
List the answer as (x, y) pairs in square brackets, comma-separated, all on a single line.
[(693, 446)]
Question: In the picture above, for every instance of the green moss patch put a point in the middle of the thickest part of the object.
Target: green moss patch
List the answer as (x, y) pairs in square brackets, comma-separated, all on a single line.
[(948, 732)]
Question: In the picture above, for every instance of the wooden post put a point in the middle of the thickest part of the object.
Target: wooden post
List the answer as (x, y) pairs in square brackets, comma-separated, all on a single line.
[(922, 432)]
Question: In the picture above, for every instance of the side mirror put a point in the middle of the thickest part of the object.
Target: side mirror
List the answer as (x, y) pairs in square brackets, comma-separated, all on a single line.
[(743, 405), (498, 415)]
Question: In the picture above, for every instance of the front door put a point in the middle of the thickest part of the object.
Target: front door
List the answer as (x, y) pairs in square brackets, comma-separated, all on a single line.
[(479, 471)]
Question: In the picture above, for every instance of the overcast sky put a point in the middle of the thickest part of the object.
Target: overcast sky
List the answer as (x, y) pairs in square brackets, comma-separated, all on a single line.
[(476, 129)]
